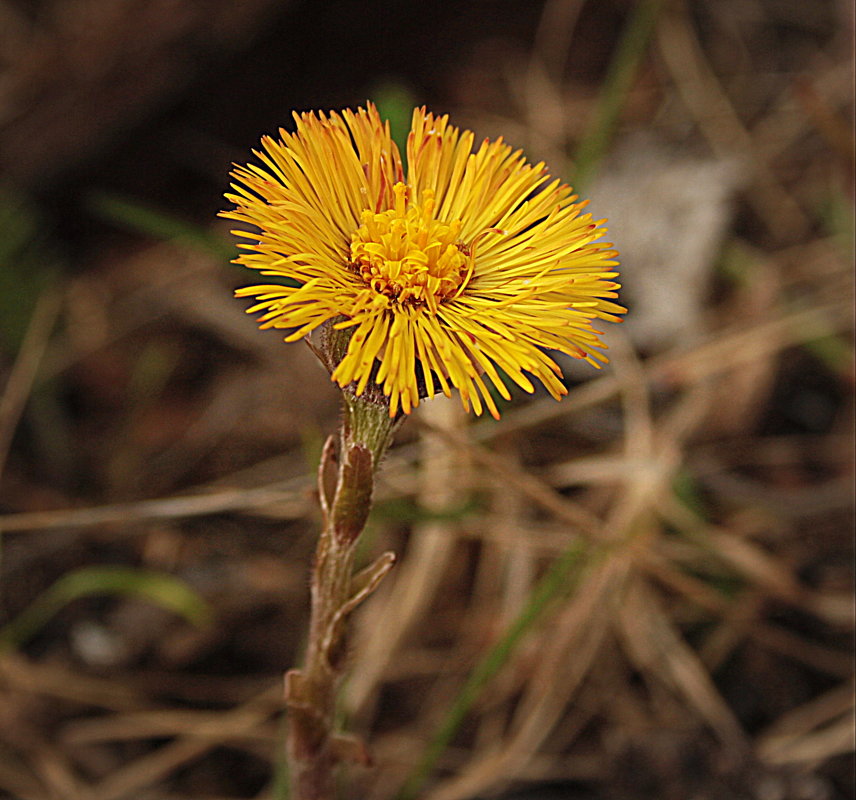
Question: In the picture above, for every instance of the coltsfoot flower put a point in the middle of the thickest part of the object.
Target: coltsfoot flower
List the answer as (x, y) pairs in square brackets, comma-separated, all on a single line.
[(461, 269)]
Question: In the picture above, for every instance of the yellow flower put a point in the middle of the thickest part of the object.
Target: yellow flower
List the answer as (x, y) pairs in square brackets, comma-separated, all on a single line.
[(461, 267)]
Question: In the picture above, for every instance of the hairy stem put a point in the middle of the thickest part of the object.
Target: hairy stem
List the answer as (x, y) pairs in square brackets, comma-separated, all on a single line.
[(345, 484)]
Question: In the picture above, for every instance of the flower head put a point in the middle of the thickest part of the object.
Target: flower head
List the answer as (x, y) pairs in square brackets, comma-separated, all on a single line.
[(465, 268)]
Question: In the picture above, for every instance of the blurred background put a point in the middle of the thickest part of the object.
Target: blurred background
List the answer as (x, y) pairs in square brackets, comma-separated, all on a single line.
[(642, 592)]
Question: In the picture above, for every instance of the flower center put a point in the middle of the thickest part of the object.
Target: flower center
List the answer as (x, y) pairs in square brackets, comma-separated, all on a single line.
[(407, 255)]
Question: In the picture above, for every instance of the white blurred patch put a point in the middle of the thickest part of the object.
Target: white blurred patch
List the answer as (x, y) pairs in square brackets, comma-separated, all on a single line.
[(97, 645), (668, 214)]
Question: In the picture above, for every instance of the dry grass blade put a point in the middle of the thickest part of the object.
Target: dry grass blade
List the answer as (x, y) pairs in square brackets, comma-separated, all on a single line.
[(728, 349), (25, 675), (813, 749), (288, 498), (579, 630), (821, 659), (148, 770), (162, 724), (509, 566), (19, 782), (758, 566), (659, 651), (812, 732), (54, 768), (775, 132), (742, 622), (530, 486), (711, 108), (44, 758)]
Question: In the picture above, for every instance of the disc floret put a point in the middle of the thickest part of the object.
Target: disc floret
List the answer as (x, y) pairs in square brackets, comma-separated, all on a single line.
[(408, 255)]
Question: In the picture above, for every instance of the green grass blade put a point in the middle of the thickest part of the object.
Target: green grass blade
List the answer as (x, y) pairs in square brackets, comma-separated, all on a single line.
[(279, 787), (159, 588), (140, 218), (395, 103), (616, 86)]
